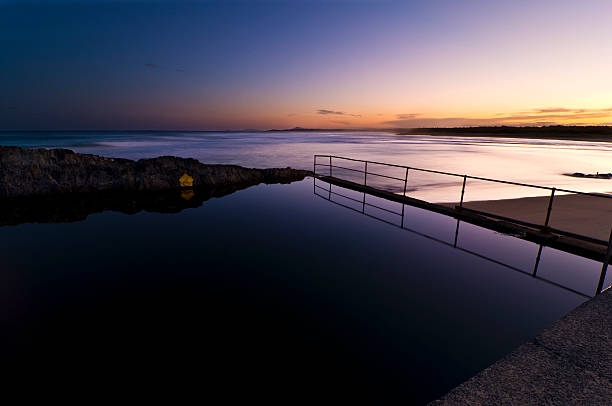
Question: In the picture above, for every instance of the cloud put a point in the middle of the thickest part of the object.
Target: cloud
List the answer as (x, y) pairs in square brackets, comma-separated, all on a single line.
[(563, 116), (541, 116), (151, 65), (337, 113), (407, 116), (441, 122), (341, 122), (561, 110), (554, 110), (325, 112)]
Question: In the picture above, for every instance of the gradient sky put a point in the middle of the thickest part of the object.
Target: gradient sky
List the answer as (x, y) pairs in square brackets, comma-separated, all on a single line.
[(279, 64)]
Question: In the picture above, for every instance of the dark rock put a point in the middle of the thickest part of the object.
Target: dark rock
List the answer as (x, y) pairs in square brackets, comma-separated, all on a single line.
[(590, 175), (35, 172)]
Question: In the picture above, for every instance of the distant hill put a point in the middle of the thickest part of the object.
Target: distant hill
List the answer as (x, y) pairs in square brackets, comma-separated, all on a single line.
[(301, 129), (560, 132)]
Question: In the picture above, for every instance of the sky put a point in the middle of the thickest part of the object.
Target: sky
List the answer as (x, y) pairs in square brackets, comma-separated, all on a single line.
[(214, 65)]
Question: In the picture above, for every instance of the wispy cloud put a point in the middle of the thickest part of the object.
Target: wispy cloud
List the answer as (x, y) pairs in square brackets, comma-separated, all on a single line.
[(151, 65), (540, 116), (407, 116), (562, 116), (556, 110), (561, 110), (441, 122), (341, 122), (337, 113)]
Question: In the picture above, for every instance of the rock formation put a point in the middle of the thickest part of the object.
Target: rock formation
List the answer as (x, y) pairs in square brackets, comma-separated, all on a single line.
[(38, 172)]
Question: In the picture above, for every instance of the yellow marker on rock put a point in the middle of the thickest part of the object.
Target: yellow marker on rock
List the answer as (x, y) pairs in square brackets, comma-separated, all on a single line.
[(187, 194), (186, 181)]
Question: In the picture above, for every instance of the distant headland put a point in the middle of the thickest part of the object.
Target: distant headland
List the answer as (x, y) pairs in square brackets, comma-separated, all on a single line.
[(558, 132)]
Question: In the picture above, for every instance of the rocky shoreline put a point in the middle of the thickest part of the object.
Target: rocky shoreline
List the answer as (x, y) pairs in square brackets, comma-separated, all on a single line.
[(43, 172), (590, 175)]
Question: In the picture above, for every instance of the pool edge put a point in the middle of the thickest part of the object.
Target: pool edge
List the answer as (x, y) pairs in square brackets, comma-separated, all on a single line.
[(569, 362)]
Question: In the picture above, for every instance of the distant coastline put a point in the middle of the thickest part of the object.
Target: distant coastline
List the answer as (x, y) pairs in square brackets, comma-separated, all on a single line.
[(557, 132)]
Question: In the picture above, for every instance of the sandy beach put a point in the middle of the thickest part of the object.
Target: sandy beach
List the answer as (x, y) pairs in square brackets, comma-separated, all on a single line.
[(580, 214)]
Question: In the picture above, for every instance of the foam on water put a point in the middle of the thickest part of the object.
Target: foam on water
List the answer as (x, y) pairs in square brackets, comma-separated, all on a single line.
[(535, 161)]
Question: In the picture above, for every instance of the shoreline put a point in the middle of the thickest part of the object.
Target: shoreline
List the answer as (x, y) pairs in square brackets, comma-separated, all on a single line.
[(568, 137), (39, 172), (575, 133), (561, 133)]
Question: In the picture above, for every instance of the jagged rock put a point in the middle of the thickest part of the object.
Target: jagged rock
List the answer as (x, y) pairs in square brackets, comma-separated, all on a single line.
[(590, 175), (32, 172)]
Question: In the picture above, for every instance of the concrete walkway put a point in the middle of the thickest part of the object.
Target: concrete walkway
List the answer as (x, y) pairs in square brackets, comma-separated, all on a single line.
[(569, 363)]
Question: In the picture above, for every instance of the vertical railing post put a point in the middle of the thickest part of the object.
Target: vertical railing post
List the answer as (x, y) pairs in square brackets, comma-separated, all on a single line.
[(462, 191), (537, 262), (314, 175), (363, 204), (604, 267), (405, 182), (365, 174), (330, 166), (456, 234), (550, 203)]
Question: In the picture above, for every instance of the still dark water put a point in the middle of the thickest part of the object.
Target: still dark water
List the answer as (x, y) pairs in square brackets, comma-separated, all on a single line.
[(276, 293)]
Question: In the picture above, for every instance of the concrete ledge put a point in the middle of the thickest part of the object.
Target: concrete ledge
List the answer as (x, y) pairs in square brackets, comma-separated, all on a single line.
[(570, 362)]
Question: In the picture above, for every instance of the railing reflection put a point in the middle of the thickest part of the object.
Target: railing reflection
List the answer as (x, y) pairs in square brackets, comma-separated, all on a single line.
[(324, 190)]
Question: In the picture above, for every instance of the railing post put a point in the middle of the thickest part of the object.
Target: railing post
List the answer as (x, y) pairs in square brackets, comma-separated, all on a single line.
[(604, 267), (365, 174), (456, 234), (314, 175), (363, 204), (537, 262), (405, 182), (330, 166), (550, 203), (462, 191)]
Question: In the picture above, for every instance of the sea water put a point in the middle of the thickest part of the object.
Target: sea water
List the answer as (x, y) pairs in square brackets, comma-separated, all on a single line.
[(533, 161)]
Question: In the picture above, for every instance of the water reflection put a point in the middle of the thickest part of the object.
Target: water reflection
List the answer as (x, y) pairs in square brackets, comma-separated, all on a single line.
[(275, 291), (69, 208), (397, 218)]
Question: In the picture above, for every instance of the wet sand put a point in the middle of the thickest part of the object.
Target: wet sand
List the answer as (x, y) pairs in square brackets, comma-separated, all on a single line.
[(585, 215)]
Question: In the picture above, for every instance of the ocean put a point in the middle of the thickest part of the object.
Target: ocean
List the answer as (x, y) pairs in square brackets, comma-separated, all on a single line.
[(533, 161)]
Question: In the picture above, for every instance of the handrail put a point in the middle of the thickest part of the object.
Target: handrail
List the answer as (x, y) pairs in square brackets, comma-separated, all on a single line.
[(452, 174), (545, 227), (567, 288)]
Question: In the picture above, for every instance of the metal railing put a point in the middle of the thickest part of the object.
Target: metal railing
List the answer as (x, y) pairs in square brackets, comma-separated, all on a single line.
[(329, 163), (328, 194)]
